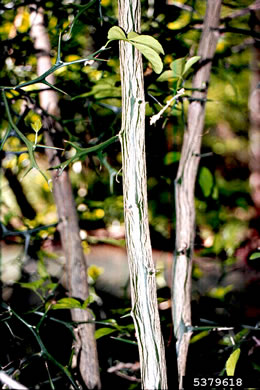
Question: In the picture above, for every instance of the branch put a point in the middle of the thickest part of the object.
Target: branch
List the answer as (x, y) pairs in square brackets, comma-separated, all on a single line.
[(241, 12), (11, 383), (59, 64), (35, 331), (83, 152), (156, 117)]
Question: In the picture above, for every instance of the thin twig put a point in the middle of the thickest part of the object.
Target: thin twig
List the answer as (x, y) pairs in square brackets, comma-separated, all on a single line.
[(156, 117)]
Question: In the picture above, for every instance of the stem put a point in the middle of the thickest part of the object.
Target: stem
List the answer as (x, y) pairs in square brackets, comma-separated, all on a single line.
[(142, 270), (184, 189)]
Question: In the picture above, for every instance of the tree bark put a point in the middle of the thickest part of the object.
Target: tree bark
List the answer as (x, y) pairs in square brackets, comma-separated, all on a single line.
[(85, 346), (142, 269), (254, 115), (184, 189)]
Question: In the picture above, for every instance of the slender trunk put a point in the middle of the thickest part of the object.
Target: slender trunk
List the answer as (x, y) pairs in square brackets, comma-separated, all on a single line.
[(85, 347), (254, 107), (184, 189), (142, 270)]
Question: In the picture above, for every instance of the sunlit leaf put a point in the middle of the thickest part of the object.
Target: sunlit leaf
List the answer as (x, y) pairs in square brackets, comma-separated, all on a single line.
[(254, 256), (232, 361), (132, 35), (199, 336), (103, 332), (190, 62), (88, 301), (220, 292), (33, 285), (166, 75), (42, 271), (151, 55), (116, 32), (67, 303), (148, 41), (37, 125), (177, 67), (206, 181)]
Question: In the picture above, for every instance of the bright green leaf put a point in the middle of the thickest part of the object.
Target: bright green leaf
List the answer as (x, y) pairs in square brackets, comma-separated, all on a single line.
[(37, 125), (116, 32), (206, 181), (88, 301), (33, 285), (147, 40), (232, 361), (67, 303), (220, 292), (254, 256), (166, 75), (151, 55), (103, 332), (177, 67), (190, 62), (132, 35), (199, 336), (51, 286), (42, 271)]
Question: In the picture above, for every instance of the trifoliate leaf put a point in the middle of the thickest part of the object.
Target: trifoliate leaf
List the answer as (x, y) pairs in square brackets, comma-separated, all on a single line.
[(232, 361), (151, 55), (116, 32)]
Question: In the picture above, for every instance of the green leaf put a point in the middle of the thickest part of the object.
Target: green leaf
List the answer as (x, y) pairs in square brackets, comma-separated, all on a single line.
[(67, 303), (254, 256), (132, 35), (51, 286), (206, 181), (33, 285), (177, 67), (190, 62), (88, 301), (146, 40), (166, 76), (232, 361), (103, 332), (115, 33), (151, 55), (37, 125), (220, 292), (199, 336), (42, 271), (171, 158)]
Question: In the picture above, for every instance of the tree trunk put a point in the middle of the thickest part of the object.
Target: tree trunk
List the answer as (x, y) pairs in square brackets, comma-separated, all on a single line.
[(85, 346), (254, 107), (142, 270), (184, 188)]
